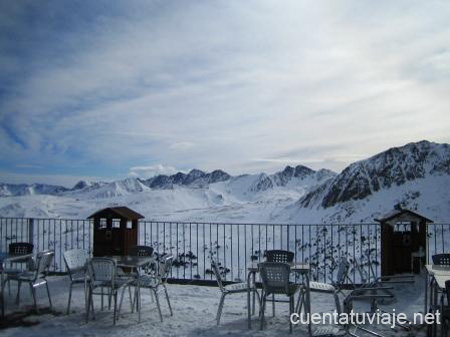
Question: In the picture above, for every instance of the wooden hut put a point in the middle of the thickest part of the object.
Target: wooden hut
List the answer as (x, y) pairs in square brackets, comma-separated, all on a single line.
[(115, 231), (403, 239)]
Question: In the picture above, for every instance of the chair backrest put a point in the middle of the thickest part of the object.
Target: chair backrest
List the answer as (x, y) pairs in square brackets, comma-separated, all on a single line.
[(343, 269), (102, 270), (275, 277), (19, 248), (165, 268), (43, 262), (216, 271), (441, 259), (141, 251), (279, 256), (75, 260)]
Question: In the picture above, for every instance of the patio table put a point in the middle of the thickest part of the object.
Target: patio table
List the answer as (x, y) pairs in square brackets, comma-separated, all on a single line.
[(438, 276), (296, 268), (135, 262), (4, 259)]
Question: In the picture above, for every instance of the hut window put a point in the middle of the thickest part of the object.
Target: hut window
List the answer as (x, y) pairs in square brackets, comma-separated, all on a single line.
[(129, 224), (116, 223), (102, 224), (402, 227)]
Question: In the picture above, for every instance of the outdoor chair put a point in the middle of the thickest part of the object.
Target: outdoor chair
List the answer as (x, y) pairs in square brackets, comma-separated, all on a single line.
[(156, 284), (441, 259), (75, 261), (368, 293), (19, 248), (275, 280), (235, 288), (102, 274), (141, 251), (277, 255), (35, 278), (446, 313), (335, 287)]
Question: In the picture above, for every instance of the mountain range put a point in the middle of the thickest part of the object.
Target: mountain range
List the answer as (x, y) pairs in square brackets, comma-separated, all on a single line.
[(415, 176)]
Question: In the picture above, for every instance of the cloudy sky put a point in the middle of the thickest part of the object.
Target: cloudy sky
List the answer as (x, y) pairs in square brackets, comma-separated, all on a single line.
[(110, 89)]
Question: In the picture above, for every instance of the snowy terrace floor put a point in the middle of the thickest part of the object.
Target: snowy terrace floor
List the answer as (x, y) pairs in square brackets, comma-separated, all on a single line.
[(194, 314)]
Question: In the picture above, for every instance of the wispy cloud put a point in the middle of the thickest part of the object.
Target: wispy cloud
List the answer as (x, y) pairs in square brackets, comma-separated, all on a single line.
[(151, 171), (96, 88)]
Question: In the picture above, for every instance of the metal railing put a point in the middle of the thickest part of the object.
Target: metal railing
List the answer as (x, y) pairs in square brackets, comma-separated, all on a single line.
[(233, 245)]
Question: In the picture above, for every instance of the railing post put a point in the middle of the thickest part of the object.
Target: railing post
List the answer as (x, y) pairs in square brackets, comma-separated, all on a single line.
[(30, 230)]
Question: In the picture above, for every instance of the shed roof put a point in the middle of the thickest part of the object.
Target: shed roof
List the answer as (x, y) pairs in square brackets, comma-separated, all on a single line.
[(399, 212), (122, 212)]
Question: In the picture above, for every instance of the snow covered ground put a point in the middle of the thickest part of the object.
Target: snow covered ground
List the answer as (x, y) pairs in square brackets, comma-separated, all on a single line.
[(194, 314)]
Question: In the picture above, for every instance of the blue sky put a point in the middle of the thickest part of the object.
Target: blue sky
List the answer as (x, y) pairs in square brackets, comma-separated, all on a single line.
[(110, 89)]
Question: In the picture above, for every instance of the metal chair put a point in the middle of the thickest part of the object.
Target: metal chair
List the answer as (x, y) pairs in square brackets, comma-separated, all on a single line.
[(141, 251), (279, 256), (336, 287), (446, 313), (235, 288), (19, 248), (368, 293), (75, 261), (156, 284), (102, 274), (441, 259), (275, 280), (35, 278)]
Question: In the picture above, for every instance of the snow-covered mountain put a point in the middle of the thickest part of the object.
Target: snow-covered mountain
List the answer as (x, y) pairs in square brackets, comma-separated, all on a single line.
[(415, 176), (7, 190), (393, 167)]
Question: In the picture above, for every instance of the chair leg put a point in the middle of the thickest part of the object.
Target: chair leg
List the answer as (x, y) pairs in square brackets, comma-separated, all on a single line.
[(131, 299), (70, 298), (168, 300), (48, 293), (33, 292), (115, 306), (338, 303), (219, 309), (120, 303), (300, 301), (273, 305), (291, 311), (263, 308), (19, 284), (259, 301), (88, 305), (158, 305), (253, 302)]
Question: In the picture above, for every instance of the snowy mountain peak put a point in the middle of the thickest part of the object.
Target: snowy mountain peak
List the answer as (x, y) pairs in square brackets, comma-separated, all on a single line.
[(393, 167), (81, 185)]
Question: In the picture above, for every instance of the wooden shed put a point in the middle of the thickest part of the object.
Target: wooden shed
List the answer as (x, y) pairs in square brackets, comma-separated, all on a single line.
[(115, 231), (403, 238)]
